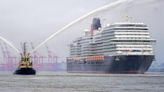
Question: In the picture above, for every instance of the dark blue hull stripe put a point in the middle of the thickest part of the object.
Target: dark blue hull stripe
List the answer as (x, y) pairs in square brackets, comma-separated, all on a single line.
[(112, 64)]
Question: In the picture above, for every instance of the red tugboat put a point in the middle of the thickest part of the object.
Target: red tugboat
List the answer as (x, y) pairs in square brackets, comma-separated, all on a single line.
[(25, 65)]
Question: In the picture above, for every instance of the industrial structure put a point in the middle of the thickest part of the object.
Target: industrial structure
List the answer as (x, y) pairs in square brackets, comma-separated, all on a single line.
[(49, 62)]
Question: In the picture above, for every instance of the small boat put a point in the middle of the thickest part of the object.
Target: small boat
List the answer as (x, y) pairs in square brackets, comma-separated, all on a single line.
[(25, 65)]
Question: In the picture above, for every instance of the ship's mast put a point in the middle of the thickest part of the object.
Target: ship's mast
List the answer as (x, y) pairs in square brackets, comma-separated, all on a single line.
[(24, 49)]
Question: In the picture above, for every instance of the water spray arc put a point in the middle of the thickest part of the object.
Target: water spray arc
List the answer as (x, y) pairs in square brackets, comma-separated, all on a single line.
[(7, 42), (118, 2)]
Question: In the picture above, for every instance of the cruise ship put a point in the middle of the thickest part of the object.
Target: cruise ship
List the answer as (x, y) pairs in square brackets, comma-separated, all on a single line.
[(124, 47)]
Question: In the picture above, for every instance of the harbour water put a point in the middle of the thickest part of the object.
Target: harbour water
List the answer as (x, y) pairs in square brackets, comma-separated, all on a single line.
[(76, 82)]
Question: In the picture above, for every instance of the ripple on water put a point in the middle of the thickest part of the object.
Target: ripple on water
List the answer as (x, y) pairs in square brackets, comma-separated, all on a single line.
[(67, 82)]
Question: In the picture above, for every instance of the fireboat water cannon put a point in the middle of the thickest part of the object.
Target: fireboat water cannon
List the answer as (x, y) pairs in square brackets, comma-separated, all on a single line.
[(25, 65)]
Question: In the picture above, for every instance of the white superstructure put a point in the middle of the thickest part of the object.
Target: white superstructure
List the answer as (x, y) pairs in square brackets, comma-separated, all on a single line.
[(124, 38)]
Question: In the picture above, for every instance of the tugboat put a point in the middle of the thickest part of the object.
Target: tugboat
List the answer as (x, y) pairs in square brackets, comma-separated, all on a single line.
[(25, 65)]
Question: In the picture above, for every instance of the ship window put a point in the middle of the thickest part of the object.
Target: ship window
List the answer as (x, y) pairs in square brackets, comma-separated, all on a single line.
[(22, 64), (98, 62), (129, 29), (93, 62), (128, 25), (22, 59), (136, 50), (131, 41)]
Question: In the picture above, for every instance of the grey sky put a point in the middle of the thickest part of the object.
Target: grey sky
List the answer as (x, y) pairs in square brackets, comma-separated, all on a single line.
[(35, 20)]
